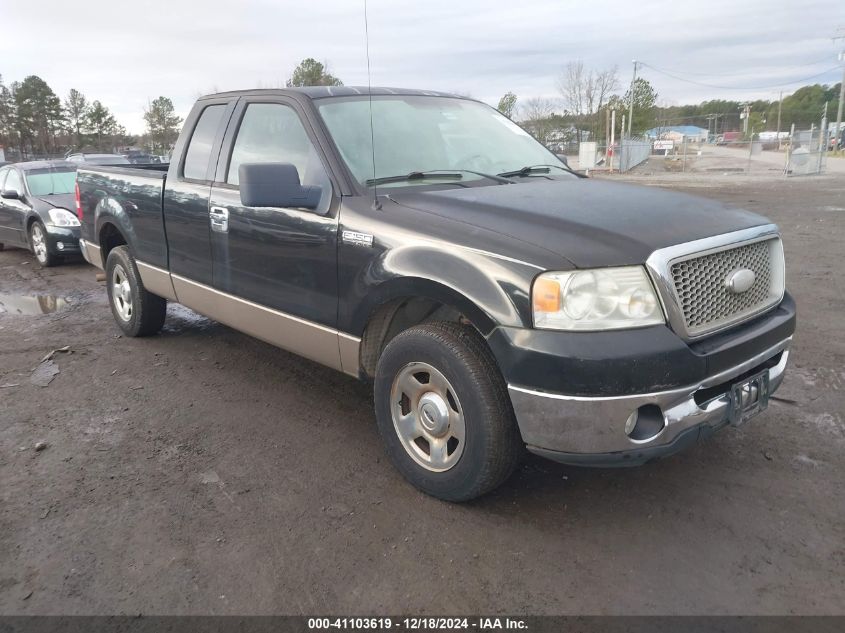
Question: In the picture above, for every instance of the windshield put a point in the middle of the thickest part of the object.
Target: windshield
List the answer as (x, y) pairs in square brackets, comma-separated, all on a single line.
[(419, 134), (48, 181)]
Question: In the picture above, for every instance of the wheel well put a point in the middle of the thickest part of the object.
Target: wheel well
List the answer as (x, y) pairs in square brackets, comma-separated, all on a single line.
[(397, 315), (29, 222), (110, 237)]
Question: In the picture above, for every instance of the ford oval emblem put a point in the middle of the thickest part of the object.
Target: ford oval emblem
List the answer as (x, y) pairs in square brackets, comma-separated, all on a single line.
[(740, 281)]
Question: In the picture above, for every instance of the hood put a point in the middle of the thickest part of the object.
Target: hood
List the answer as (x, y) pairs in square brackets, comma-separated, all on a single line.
[(589, 222), (60, 200)]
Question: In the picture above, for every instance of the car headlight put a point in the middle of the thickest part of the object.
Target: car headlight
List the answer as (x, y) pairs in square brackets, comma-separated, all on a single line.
[(598, 299), (63, 217)]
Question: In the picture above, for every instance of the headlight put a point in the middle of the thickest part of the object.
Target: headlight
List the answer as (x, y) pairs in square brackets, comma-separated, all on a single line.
[(599, 299), (62, 217)]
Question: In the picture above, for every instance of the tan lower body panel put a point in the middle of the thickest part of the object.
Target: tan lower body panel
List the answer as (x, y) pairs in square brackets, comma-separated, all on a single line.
[(156, 280), (319, 343), (91, 253)]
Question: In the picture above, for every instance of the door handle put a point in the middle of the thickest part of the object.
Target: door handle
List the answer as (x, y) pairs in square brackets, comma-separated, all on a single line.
[(219, 217)]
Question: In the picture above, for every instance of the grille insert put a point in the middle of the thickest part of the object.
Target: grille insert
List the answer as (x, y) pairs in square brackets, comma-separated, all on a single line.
[(702, 293)]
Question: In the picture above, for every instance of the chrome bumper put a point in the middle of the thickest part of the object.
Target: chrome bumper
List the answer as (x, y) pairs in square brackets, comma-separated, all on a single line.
[(579, 427), (91, 253)]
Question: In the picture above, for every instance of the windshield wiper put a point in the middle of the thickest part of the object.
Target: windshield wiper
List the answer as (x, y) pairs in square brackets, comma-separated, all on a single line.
[(415, 175), (437, 174), (538, 169)]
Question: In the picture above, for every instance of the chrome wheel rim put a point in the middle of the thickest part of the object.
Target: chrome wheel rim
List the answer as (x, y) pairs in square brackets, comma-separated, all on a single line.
[(39, 244), (427, 417), (121, 293)]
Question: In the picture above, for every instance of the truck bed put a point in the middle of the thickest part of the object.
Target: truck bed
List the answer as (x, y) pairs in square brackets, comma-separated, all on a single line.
[(132, 196)]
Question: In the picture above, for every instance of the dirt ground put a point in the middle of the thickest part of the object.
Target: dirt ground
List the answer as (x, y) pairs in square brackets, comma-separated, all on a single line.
[(201, 471)]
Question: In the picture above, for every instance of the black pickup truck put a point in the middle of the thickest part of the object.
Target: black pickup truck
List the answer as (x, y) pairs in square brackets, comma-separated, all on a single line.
[(495, 299)]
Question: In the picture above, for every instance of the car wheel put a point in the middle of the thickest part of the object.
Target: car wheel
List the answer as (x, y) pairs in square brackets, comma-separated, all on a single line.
[(443, 412), (137, 311), (39, 245)]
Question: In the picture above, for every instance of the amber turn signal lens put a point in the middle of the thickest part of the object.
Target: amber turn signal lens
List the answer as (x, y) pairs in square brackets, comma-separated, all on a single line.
[(546, 295)]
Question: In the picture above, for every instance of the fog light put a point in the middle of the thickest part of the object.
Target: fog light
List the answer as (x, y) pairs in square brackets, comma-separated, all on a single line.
[(645, 424), (60, 246)]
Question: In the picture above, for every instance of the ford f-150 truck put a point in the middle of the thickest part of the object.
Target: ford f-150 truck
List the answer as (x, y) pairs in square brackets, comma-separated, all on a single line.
[(426, 243)]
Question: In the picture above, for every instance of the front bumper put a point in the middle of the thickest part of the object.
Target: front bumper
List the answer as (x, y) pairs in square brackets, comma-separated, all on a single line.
[(62, 240), (572, 393), (591, 430)]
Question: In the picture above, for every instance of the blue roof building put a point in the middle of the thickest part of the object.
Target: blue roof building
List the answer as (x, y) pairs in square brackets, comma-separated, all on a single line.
[(678, 132)]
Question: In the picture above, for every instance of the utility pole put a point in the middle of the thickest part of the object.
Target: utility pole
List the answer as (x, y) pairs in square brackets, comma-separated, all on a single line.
[(631, 104), (746, 113), (840, 36), (841, 100)]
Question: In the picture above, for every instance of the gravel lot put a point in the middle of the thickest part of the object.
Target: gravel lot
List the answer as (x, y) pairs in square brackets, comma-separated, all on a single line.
[(201, 471)]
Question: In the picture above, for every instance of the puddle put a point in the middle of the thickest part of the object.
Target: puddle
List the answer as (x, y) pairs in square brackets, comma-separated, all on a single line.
[(29, 305)]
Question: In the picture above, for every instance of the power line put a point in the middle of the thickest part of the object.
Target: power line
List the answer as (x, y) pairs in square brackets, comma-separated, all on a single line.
[(826, 58), (706, 85)]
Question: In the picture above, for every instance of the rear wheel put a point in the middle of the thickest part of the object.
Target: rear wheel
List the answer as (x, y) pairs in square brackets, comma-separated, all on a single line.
[(40, 246), (137, 311), (444, 413)]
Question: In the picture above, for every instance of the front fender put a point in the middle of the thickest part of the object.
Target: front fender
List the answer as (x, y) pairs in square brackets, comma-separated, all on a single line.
[(490, 291)]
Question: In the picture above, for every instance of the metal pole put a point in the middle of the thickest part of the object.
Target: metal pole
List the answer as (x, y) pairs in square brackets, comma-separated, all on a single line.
[(612, 136), (822, 138), (841, 101), (780, 103), (631, 104), (750, 146), (684, 164)]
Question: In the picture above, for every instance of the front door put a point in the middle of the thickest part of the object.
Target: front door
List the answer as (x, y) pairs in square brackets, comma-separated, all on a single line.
[(284, 259)]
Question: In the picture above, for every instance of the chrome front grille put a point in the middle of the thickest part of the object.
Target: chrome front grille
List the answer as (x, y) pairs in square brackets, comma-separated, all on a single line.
[(693, 278), (703, 295)]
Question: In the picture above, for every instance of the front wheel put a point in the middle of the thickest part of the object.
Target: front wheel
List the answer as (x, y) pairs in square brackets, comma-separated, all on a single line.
[(40, 246), (137, 311), (443, 412)]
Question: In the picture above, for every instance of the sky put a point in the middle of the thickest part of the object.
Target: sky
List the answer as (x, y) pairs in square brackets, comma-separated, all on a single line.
[(126, 53)]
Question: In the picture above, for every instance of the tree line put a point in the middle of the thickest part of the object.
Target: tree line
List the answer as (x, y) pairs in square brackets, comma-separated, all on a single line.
[(587, 96), (35, 122)]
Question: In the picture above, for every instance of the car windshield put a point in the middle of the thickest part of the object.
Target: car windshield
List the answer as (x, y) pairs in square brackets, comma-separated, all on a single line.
[(422, 134), (50, 180)]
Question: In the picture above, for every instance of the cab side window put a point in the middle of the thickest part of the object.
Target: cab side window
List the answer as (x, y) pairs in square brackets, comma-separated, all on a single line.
[(202, 140), (273, 133), (3, 173)]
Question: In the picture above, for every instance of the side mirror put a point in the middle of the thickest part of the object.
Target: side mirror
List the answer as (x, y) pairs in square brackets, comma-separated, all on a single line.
[(275, 185), (563, 159), (10, 194)]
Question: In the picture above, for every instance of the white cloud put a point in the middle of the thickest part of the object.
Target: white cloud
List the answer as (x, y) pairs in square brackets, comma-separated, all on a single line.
[(126, 53)]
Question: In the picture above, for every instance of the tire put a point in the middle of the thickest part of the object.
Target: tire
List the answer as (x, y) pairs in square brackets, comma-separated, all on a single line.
[(414, 372), (136, 311), (39, 245)]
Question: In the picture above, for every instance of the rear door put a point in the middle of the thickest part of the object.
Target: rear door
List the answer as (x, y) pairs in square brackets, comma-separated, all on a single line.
[(281, 258), (188, 186)]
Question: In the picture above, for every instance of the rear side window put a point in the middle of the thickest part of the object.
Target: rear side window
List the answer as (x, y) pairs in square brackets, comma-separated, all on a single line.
[(3, 173), (199, 149)]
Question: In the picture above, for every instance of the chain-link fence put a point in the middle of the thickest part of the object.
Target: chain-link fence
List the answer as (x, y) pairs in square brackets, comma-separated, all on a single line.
[(806, 153), (803, 153)]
